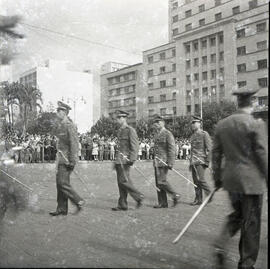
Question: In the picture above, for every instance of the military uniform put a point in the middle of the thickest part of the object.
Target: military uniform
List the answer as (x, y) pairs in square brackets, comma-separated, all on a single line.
[(164, 149), (199, 160), (242, 140), (67, 147), (128, 146)]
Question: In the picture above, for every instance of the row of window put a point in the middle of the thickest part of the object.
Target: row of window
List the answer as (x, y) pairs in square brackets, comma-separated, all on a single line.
[(204, 60), (261, 64), (162, 98), (122, 102), (213, 74), (162, 56), (195, 44), (123, 90), (162, 84), (260, 27), (260, 46), (162, 70), (162, 111), (262, 82), (122, 78)]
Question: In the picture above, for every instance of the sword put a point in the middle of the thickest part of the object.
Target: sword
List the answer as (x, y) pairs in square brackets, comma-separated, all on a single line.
[(202, 162), (141, 173), (177, 172), (194, 216)]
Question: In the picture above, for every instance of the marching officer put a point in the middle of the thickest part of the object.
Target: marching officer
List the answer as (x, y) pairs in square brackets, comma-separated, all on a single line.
[(164, 149), (67, 157), (199, 159), (126, 155), (242, 140)]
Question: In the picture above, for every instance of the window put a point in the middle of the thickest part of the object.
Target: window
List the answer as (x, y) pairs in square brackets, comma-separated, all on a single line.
[(262, 45), (163, 111), (187, 48), (236, 10), (151, 112), (262, 64), (213, 58), (195, 46), (204, 75), (221, 90), (110, 92), (150, 59), (213, 90), (221, 56), (261, 27), (175, 5), (174, 81), (173, 52), (202, 22), (196, 61), (162, 83), (187, 64), (213, 74), (218, 16), (188, 78), (162, 97), (175, 18), (174, 95), (263, 101), (150, 99), (173, 67), (127, 89), (205, 92), (196, 93), (126, 77), (241, 84), (221, 39), (196, 77), (188, 95), (188, 13), (204, 60), (212, 41), (118, 91), (150, 85), (240, 33), (241, 68), (201, 8), (252, 4), (162, 69), (162, 55), (175, 31), (217, 2), (204, 44), (241, 50), (188, 26), (197, 108), (150, 73), (117, 79), (263, 82), (174, 110), (188, 109)]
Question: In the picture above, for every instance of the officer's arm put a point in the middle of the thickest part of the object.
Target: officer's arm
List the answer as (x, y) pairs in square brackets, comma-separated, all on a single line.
[(73, 144), (171, 149), (134, 145), (208, 146)]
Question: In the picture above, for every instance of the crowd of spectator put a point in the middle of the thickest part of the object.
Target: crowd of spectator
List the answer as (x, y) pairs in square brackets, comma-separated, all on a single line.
[(42, 148)]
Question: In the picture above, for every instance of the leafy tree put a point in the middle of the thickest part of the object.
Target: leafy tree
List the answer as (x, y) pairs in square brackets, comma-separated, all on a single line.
[(181, 127), (142, 128)]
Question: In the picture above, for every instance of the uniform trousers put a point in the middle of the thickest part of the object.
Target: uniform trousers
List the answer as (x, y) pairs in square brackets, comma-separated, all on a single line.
[(163, 185), (199, 180), (64, 189), (126, 186), (246, 218)]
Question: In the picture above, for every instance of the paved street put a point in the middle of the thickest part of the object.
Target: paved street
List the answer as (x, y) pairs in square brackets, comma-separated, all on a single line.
[(99, 237)]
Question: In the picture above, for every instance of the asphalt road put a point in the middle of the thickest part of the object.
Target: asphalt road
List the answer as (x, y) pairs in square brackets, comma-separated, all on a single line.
[(101, 238)]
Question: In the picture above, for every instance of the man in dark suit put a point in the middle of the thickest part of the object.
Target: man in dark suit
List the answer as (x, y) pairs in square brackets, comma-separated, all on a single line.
[(164, 150), (126, 155), (242, 140), (199, 159), (67, 148)]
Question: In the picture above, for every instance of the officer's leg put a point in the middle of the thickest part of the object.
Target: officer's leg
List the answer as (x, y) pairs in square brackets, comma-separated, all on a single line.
[(204, 185), (62, 200), (162, 195), (165, 184), (250, 231), (122, 201), (198, 190)]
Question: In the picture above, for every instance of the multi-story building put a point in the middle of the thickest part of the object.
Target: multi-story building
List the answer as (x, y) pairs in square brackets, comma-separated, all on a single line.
[(56, 83), (216, 46), (111, 67)]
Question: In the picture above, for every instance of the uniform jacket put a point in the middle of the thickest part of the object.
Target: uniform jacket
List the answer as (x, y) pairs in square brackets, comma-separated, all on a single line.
[(201, 146), (128, 145), (243, 142), (164, 148), (67, 142)]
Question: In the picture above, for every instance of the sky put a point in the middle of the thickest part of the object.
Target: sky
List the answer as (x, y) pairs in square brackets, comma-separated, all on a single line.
[(130, 25)]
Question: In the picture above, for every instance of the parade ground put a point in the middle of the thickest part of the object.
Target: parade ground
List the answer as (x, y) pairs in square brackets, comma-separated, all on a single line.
[(101, 238)]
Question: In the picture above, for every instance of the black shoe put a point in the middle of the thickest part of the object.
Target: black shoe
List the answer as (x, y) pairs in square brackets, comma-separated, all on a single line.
[(79, 206), (176, 199), (160, 206), (219, 256), (57, 213), (119, 209), (196, 202)]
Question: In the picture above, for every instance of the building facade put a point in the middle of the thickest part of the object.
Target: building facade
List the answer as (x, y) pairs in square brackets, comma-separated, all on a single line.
[(56, 83)]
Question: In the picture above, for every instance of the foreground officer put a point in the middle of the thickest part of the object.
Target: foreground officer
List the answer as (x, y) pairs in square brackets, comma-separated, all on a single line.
[(199, 159), (242, 140), (67, 146), (164, 149), (126, 155)]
